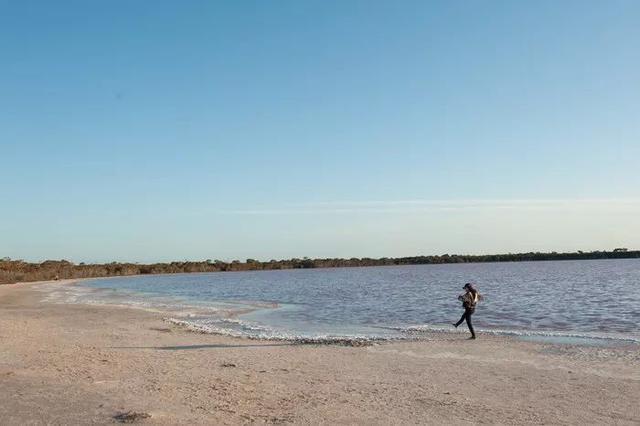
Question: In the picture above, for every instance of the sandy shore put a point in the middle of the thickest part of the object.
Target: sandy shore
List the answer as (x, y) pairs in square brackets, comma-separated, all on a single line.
[(76, 364)]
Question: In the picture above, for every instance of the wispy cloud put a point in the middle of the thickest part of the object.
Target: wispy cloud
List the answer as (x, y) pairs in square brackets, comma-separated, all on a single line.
[(419, 205)]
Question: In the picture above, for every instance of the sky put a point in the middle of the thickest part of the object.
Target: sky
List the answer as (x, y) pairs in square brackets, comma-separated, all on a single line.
[(158, 130)]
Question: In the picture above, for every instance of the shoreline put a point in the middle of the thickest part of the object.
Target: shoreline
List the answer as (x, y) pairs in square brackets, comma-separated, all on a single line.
[(631, 255), (79, 364), (404, 334)]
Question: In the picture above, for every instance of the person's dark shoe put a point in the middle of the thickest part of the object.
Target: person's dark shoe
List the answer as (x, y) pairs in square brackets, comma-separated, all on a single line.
[(455, 325), (472, 338)]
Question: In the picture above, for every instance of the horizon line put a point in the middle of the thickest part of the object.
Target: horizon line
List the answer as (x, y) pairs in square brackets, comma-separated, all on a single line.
[(581, 252)]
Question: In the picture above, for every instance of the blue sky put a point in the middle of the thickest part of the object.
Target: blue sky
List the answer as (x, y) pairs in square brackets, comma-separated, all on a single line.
[(150, 131)]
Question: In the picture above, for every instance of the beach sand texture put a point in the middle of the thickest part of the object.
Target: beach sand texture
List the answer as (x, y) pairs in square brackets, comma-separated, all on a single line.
[(81, 364)]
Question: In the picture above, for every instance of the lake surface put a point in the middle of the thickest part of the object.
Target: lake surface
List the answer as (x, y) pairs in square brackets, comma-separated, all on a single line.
[(595, 299)]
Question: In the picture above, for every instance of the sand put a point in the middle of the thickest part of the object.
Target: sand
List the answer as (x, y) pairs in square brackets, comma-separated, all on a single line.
[(82, 364)]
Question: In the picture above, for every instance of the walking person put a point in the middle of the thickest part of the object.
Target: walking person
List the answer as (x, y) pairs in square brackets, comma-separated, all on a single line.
[(469, 299)]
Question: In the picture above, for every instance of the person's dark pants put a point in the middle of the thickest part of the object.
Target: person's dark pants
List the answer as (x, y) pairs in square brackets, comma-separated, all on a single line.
[(467, 316)]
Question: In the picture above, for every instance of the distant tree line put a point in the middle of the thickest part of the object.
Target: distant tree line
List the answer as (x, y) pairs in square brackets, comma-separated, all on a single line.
[(12, 271)]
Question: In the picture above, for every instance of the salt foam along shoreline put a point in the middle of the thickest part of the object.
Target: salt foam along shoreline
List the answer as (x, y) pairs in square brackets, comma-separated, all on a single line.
[(241, 329), (70, 292)]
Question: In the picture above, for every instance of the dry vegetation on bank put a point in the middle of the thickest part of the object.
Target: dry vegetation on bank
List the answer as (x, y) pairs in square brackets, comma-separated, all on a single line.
[(12, 271)]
